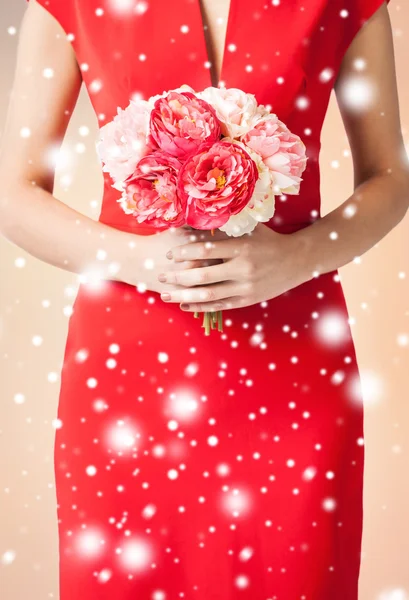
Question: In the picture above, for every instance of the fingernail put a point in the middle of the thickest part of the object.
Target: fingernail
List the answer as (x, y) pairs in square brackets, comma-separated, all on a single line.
[(169, 254), (165, 296), (184, 306), (162, 277)]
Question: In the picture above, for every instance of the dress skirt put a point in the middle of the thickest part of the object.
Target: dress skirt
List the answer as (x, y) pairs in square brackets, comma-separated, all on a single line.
[(210, 467)]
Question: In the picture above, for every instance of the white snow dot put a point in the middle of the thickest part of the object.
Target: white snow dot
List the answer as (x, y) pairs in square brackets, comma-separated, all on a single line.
[(359, 64), (20, 262), (104, 575), (329, 504), (358, 93), (19, 398), (48, 73), (326, 75), (394, 594), (8, 557), (246, 553), (149, 511), (95, 86), (350, 210), (149, 264), (242, 581), (191, 369), (302, 102), (309, 473), (403, 339), (81, 355)]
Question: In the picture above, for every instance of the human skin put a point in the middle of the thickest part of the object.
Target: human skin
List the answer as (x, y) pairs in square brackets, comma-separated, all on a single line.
[(30, 216), (265, 263), (242, 271)]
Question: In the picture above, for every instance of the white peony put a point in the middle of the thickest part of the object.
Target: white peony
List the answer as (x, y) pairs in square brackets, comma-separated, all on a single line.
[(236, 110), (261, 207)]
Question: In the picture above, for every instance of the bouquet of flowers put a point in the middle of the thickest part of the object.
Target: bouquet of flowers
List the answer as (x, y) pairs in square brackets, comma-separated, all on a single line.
[(213, 159)]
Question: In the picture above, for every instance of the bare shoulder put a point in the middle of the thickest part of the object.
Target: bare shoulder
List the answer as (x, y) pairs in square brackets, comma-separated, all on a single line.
[(367, 95), (46, 84)]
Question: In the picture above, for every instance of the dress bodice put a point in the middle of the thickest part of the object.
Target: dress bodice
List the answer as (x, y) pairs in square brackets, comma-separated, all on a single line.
[(287, 53)]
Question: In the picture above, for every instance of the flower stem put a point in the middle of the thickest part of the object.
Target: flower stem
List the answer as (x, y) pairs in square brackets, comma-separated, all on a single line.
[(220, 320)]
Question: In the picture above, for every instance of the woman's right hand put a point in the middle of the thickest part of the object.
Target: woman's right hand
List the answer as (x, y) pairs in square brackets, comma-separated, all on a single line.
[(146, 257)]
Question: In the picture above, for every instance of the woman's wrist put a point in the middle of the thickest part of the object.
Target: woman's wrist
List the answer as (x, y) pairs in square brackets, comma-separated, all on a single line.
[(124, 256), (302, 252)]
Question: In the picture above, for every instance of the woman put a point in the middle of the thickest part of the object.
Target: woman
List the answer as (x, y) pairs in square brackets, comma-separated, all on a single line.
[(228, 466)]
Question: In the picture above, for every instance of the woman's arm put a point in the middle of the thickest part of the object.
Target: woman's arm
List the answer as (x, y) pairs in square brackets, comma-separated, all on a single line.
[(40, 107), (266, 264), (46, 86), (368, 101)]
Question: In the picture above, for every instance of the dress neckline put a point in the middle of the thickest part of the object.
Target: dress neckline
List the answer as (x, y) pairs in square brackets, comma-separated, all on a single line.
[(200, 16)]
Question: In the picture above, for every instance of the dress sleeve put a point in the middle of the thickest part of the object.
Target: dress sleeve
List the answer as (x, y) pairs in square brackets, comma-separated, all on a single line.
[(358, 13), (364, 9), (347, 21), (59, 9)]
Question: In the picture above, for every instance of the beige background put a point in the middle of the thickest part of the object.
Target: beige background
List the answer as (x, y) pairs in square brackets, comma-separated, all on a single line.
[(35, 300)]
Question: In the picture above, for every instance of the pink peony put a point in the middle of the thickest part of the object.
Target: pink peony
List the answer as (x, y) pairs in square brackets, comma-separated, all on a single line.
[(216, 182), (150, 193), (180, 122), (123, 141), (282, 151)]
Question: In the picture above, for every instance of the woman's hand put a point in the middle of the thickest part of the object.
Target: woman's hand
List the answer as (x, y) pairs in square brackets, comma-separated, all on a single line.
[(142, 266), (254, 267)]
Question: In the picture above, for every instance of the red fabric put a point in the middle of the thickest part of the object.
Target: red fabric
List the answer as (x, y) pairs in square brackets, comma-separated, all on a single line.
[(291, 530), (63, 11)]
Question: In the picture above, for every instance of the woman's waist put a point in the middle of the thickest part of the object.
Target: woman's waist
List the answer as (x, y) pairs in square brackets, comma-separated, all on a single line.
[(115, 299)]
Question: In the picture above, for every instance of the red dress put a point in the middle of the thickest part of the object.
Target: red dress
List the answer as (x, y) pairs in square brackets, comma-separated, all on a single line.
[(230, 466)]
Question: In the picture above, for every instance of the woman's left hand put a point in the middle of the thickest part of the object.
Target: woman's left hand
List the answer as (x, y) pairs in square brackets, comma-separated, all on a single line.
[(257, 267)]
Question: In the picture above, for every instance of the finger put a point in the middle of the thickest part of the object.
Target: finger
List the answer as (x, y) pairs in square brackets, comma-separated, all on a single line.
[(196, 235), (226, 304), (201, 295), (202, 275), (206, 234), (194, 264), (176, 265), (204, 250)]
